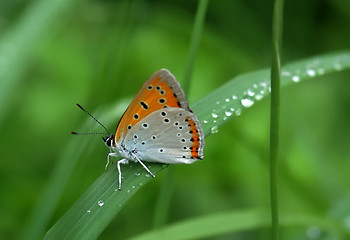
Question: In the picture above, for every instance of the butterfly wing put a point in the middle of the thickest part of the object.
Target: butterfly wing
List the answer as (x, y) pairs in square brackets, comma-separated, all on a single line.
[(169, 135), (161, 90)]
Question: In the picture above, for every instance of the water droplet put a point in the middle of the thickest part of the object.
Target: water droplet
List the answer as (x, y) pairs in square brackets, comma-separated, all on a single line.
[(140, 183), (224, 118), (214, 121), (133, 187), (295, 79), (247, 102), (214, 129), (311, 72), (238, 112), (313, 232), (214, 115), (227, 113), (255, 85), (147, 175), (263, 84), (232, 109), (88, 211), (234, 97), (137, 174), (250, 93), (227, 100), (205, 121), (100, 203), (217, 102), (128, 191), (258, 97)]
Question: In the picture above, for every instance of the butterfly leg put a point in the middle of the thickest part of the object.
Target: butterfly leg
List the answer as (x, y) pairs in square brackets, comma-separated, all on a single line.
[(111, 154), (122, 161), (144, 166)]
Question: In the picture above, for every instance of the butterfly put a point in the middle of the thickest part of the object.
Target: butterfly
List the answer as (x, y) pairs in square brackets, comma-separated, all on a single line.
[(158, 126)]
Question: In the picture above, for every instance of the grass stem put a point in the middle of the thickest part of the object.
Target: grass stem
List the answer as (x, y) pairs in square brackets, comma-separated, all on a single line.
[(275, 110)]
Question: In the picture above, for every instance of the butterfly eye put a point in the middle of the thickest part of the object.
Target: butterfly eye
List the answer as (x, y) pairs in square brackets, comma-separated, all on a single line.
[(108, 140)]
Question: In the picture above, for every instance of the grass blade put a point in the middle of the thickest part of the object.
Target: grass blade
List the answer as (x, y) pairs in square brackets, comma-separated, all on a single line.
[(211, 225), (275, 112), (86, 219), (196, 36), (236, 221)]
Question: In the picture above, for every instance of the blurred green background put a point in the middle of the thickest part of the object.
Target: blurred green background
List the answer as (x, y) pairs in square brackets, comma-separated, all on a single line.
[(99, 52)]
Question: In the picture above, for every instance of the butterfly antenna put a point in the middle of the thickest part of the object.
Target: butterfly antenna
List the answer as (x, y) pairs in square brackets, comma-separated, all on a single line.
[(92, 118), (79, 133)]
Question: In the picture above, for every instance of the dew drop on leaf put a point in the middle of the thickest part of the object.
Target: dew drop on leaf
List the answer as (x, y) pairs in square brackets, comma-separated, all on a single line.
[(250, 93), (227, 113), (311, 72), (295, 79), (100, 203), (246, 102), (214, 129)]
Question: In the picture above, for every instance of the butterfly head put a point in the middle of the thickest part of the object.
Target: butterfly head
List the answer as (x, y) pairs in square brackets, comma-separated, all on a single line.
[(109, 140)]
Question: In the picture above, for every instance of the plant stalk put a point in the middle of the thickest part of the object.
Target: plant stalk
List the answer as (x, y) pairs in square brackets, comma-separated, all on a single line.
[(275, 111)]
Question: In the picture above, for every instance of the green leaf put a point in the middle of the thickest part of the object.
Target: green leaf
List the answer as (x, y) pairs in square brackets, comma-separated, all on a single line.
[(88, 217)]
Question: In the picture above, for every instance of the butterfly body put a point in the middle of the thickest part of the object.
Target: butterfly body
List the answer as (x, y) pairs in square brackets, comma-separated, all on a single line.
[(158, 126)]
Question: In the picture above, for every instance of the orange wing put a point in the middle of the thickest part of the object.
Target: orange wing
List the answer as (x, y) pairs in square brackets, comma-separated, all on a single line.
[(161, 90)]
